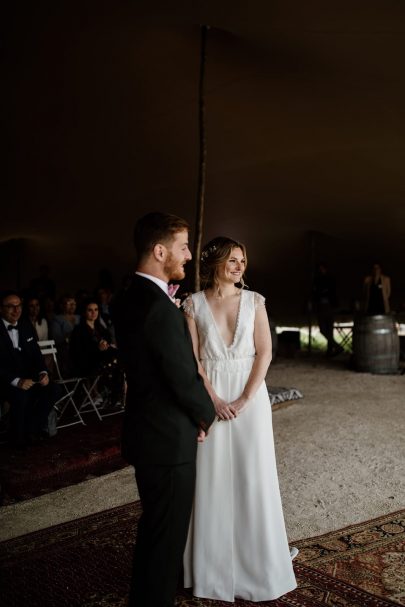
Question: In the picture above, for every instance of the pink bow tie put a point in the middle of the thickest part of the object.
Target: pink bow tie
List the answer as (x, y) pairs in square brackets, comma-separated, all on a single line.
[(172, 290)]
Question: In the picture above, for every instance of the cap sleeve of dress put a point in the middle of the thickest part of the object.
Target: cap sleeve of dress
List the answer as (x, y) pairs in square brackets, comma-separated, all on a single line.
[(259, 300), (188, 306)]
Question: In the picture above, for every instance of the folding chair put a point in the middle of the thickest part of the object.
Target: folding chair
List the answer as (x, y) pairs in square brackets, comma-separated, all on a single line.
[(91, 401), (122, 407), (69, 386), (344, 332)]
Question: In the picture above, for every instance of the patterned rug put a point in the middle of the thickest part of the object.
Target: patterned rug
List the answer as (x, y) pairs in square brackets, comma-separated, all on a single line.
[(280, 397), (369, 556), (86, 563), (75, 454)]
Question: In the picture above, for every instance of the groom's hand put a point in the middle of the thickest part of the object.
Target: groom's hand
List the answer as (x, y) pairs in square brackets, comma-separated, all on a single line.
[(201, 435)]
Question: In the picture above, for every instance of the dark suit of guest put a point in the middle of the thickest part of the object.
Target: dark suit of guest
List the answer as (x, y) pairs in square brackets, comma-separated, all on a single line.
[(165, 407), (29, 409)]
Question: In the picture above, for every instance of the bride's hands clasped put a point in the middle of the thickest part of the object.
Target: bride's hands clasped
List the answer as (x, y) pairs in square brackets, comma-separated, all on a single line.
[(239, 404), (224, 410)]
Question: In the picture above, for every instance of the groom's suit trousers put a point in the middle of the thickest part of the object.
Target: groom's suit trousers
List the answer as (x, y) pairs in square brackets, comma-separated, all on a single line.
[(166, 494)]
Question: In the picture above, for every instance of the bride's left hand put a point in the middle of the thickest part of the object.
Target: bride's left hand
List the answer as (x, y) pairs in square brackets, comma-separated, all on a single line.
[(239, 404)]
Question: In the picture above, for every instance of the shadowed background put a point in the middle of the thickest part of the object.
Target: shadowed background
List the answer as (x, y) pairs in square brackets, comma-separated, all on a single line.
[(305, 137)]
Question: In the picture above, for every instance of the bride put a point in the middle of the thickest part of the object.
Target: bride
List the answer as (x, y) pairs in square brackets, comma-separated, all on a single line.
[(237, 545)]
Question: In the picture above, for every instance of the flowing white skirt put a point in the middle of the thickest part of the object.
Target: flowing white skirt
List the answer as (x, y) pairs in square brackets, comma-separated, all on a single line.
[(237, 545)]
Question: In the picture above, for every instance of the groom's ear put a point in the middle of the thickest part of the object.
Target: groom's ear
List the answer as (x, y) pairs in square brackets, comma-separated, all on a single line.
[(159, 252)]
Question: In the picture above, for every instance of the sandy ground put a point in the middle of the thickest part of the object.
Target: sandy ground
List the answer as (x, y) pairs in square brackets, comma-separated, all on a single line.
[(340, 453), (341, 449)]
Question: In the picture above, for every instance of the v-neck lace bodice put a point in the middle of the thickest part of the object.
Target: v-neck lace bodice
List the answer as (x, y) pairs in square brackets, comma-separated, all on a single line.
[(211, 344), (216, 324)]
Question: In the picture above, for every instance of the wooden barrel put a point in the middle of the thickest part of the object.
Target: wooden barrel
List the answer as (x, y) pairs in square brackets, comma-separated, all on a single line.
[(376, 344)]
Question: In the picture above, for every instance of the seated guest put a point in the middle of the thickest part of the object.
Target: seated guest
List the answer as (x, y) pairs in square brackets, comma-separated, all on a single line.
[(92, 352), (64, 323), (105, 297), (34, 313), (37, 318), (24, 381), (61, 330), (49, 312)]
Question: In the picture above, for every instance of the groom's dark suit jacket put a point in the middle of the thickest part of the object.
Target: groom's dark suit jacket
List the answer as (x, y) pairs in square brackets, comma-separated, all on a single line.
[(166, 400)]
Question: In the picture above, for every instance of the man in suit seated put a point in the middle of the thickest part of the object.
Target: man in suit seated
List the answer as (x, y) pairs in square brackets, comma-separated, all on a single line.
[(24, 380)]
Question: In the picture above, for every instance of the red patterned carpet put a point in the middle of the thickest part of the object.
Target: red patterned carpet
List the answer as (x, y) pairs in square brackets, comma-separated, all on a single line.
[(86, 563), (75, 454), (370, 556)]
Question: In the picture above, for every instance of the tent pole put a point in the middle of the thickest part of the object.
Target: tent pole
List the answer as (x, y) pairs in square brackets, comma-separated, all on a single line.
[(202, 160)]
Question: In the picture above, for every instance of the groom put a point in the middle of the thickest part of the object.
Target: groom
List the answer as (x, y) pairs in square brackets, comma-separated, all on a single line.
[(167, 407)]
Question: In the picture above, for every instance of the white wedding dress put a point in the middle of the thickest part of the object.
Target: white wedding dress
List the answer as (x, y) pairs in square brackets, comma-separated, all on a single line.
[(237, 545)]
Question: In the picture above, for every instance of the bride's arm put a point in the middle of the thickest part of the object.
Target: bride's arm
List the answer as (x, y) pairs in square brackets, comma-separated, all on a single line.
[(262, 340), (223, 410)]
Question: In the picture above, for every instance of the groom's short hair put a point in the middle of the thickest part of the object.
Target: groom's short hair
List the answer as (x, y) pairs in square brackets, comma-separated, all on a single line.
[(155, 228)]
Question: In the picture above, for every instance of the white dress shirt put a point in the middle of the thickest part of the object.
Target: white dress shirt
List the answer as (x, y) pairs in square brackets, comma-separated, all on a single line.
[(13, 334)]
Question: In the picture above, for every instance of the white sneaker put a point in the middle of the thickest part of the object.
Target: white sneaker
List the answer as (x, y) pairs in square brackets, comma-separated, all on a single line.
[(293, 552)]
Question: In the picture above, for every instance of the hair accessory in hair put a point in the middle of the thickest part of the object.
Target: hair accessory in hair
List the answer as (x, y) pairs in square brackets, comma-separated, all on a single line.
[(208, 252)]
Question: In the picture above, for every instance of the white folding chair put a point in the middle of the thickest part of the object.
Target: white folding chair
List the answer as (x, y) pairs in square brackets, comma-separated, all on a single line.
[(90, 402), (119, 410), (69, 385)]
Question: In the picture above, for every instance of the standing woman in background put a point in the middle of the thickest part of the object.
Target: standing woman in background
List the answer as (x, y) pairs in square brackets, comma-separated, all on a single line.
[(377, 292), (237, 545)]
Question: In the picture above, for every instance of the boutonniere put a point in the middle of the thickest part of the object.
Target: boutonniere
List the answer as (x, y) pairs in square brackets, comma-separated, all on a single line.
[(172, 290)]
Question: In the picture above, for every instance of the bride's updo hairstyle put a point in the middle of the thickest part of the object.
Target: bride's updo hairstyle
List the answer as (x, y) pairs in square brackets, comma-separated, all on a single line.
[(216, 252)]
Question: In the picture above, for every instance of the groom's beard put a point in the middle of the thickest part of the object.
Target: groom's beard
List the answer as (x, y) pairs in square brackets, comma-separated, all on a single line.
[(174, 268)]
